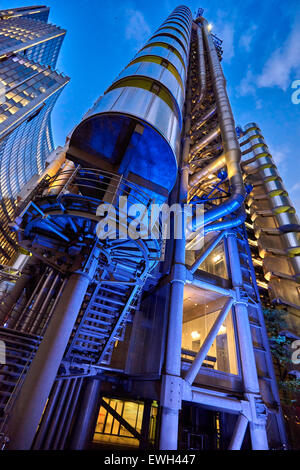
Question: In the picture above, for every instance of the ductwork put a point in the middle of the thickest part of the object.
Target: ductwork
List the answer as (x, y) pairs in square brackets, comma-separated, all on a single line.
[(230, 143), (216, 165), (204, 119), (204, 142), (202, 69)]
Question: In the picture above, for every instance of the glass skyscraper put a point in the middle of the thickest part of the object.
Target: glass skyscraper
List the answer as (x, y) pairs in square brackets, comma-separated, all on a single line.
[(29, 88)]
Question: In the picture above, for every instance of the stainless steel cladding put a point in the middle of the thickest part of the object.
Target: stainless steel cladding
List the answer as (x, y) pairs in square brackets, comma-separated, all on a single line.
[(275, 223), (135, 127)]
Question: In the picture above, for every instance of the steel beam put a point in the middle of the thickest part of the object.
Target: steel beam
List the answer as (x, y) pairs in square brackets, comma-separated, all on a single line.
[(205, 285), (239, 433), (207, 252), (214, 401)]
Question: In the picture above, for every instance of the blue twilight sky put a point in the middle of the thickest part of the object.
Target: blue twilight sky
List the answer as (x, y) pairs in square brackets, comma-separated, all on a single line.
[(261, 41)]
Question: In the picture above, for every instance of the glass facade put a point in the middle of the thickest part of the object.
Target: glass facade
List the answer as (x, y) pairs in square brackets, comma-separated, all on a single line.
[(38, 40), (29, 88), (200, 311), (110, 431), (32, 137), (39, 12)]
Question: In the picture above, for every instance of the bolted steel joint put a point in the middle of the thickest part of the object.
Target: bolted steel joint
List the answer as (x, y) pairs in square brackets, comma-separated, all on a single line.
[(171, 392)]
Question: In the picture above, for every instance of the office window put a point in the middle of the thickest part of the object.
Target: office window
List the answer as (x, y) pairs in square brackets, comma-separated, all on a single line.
[(110, 432), (200, 311)]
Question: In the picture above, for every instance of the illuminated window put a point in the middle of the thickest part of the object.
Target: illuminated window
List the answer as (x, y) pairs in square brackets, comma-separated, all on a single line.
[(110, 431), (13, 109), (201, 309), (215, 263)]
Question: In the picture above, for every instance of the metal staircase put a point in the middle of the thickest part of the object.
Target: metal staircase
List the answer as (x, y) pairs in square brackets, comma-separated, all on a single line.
[(102, 322), (20, 350)]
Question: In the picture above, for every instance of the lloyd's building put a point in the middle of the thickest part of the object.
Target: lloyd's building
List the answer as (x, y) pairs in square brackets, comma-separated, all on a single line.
[(150, 342)]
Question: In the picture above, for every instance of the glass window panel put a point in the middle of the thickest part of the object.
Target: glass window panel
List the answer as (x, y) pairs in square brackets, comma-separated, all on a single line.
[(215, 263), (201, 310)]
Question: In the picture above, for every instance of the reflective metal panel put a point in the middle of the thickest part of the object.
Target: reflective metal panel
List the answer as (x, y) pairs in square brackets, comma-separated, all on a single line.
[(164, 54), (176, 32), (159, 73), (287, 221), (174, 35), (172, 42), (178, 24), (152, 149)]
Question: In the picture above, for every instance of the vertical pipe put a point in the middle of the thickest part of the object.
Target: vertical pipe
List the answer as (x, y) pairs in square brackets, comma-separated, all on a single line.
[(19, 321), (37, 320), (242, 319), (52, 431), (250, 378), (202, 69), (32, 397), (259, 437), (47, 416), (169, 417), (14, 294), (66, 429), (87, 417), (61, 428)]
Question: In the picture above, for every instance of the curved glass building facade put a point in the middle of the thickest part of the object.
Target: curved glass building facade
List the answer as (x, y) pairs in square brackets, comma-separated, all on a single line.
[(29, 88)]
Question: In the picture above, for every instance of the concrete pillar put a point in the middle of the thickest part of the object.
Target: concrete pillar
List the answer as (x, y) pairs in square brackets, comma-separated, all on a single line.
[(32, 396), (168, 429)]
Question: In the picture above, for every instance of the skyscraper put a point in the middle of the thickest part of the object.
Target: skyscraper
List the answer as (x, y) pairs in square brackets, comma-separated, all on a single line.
[(29, 88), (144, 326)]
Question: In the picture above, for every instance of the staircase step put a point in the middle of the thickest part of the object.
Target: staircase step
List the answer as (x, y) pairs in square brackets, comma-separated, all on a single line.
[(93, 332), (115, 292), (106, 299), (102, 306)]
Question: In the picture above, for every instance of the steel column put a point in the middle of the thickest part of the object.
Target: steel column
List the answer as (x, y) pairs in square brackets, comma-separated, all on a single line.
[(170, 414), (248, 364), (31, 399), (86, 420)]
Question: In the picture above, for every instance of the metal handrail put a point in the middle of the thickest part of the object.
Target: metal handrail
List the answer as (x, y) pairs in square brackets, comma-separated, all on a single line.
[(81, 181)]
